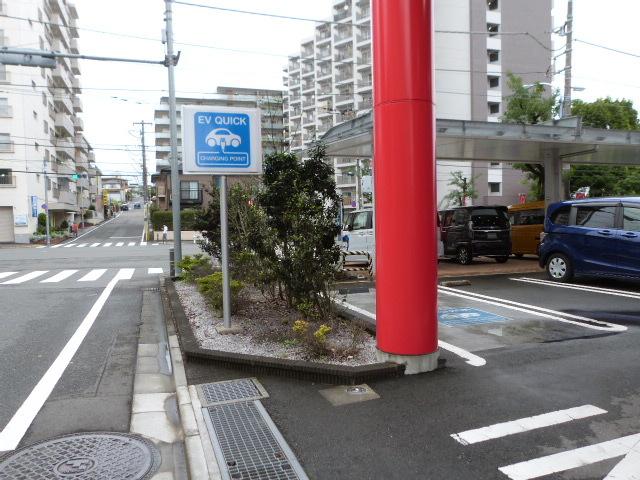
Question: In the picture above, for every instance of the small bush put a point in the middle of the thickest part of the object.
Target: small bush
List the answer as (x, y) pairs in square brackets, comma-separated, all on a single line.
[(315, 343), (194, 267), (64, 225), (165, 217), (42, 220), (211, 288)]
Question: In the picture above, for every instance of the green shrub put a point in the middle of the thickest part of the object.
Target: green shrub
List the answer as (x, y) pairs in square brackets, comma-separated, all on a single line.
[(64, 225), (165, 217), (195, 267), (211, 288), (42, 220)]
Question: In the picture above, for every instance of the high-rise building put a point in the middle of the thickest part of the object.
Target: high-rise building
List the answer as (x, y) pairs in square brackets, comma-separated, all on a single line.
[(477, 42), (193, 187), (40, 126)]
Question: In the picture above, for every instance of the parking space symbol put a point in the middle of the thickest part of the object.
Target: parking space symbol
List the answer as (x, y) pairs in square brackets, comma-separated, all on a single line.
[(223, 139), (456, 317)]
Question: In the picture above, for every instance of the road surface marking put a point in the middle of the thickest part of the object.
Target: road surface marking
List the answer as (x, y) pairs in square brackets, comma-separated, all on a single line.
[(14, 431), (629, 466), (126, 273), (143, 242), (534, 310), (135, 236), (119, 244), (56, 246), (154, 270), (94, 274), (94, 244), (6, 274), (69, 245), (25, 278), (469, 357), (580, 457), (588, 288), (155, 244), (42, 246), (526, 424), (132, 244), (108, 244), (58, 277), (82, 245)]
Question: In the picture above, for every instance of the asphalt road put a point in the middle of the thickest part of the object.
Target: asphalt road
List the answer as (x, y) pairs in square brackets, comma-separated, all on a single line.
[(48, 295), (548, 365)]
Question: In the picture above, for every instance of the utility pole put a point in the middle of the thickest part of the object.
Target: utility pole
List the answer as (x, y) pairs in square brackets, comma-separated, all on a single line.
[(46, 201), (145, 188), (175, 179), (566, 102)]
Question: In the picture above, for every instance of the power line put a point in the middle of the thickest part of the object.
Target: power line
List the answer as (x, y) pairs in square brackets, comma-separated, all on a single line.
[(635, 55)]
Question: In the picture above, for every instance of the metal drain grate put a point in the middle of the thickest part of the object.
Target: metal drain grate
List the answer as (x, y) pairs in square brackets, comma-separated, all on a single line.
[(248, 445), (242, 389), (89, 456)]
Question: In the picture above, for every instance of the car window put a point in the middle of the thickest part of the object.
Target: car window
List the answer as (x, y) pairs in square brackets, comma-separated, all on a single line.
[(596, 216), (448, 217), (561, 215), (514, 218), (631, 219), (361, 221), (530, 217), (459, 217), (489, 217)]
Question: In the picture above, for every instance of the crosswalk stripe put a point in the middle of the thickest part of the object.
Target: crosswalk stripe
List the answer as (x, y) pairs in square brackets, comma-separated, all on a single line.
[(155, 244), (125, 273), (25, 278), (82, 245), (526, 424), (70, 245), (119, 244), (94, 244), (143, 244), (108, 244), (58, 277), (6, 274), (132, 244), (41, 246), (56, 246), (94, 274), (154, 270)]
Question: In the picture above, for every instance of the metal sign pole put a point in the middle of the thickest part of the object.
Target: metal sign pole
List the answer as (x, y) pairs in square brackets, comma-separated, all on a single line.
[(224, 250)]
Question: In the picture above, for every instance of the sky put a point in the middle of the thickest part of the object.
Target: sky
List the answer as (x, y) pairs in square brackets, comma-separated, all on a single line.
[(117, 94)]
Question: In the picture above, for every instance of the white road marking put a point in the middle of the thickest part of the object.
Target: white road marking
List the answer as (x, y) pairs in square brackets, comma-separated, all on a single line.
[(135, 236), (470, 358), (108, 244), (534, 310), (143, 244), (579, 457), (93, 275), (132, 244), (154, 270), (25, 278), (42, 246), (13, 432), (58, 277), (629, 466), (526, 424), (119, 244), (155, 244), (6, 274), (94, 244), (588, 288), (82, 245), (69, 245), (126, 273), (56, 246)]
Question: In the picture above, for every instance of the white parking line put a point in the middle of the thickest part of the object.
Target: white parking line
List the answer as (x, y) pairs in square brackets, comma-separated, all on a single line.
[(108, 244), (94, 244), (119, 244), (154, 270), (583, 288), (93, 275), (132, 244), (579, 457), (526, 424), (58, 277), (13, 432), (6, 274), (25, 278), (534, 310)]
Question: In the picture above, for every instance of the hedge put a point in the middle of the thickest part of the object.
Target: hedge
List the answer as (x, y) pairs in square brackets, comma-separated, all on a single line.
[(162, 217)]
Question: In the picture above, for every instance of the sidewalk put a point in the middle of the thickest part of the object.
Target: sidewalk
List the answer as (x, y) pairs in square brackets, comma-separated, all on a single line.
[(488, 266)]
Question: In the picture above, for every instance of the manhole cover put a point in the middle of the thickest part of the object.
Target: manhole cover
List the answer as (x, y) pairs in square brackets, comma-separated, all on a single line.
[(88, 456)]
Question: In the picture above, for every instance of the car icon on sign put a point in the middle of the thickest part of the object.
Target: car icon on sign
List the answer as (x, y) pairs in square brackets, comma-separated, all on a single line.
[(223, 138)]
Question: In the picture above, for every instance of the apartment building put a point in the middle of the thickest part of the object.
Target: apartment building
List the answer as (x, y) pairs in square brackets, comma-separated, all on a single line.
[(330, 81), (114, 190), (193, 188), (40, 125)]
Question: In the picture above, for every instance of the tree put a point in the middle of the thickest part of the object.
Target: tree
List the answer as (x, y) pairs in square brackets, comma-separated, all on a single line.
[(530, 105), (462, 189), (606, 180)]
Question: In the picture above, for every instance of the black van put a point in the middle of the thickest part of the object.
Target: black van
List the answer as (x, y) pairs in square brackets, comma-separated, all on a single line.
[(469, 232)]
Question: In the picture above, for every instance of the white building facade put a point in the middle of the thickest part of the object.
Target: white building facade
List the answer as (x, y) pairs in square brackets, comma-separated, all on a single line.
[(40, 127)]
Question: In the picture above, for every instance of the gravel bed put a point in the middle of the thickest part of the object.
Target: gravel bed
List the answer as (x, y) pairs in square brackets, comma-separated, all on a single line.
[(267, 330)]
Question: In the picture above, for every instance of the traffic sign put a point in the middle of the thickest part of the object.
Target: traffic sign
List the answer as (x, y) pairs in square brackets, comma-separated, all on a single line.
[(221, 140)]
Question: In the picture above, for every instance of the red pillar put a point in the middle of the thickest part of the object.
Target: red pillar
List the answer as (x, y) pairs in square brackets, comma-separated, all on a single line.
[(405, 177)]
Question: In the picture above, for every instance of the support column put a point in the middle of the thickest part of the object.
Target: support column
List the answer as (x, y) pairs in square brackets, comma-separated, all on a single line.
[(405, 183), (553, 187)]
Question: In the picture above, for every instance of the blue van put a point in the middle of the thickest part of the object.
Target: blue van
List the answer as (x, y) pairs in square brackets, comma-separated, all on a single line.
[(595, 236)]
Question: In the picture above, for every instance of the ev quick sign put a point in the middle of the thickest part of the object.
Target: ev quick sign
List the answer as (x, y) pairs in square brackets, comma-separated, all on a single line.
[(221, 140)]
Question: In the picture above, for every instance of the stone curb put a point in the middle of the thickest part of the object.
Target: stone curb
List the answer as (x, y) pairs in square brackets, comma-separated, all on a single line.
[(318, 372)]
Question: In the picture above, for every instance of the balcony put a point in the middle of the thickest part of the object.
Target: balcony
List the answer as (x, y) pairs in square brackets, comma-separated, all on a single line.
[(366, 102), (343, 34), (78, 124), (344, 180), (344, 55), (362, 13), (325, 90), (63, 102), (342, 14), (75, 66), (306, 86), (308, 102), (344, 76), (307, 68), (76, 85), (324, 72), (6, 111), (7, 181), (61, 78), (81, 142), (324, 53), (323, 34), (65, 149), (77, 104), (308, 119), (73, 45), (65, 196), (82, 161), (64, 125), (65, 168), (364, 36), (345, 97)]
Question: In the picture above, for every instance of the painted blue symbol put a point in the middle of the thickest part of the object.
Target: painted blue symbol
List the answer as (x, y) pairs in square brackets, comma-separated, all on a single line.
[(459, 317), (223, 139)]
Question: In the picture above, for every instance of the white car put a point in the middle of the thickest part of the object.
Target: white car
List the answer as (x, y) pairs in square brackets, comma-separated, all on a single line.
[(223, 137)]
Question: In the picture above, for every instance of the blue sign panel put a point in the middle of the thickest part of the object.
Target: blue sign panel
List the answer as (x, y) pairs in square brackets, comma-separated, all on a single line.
[(34, 206), (460, 317), (222, 139)]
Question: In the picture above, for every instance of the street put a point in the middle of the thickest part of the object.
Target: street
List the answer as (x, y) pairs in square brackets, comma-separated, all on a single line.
[(70, 330)]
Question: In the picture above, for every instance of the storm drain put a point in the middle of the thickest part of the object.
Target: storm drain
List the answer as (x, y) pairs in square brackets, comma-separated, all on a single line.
[(248, 445), (89, 456), (242, 389)]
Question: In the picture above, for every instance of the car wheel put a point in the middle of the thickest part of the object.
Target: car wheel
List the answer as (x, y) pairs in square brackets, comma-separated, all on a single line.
[(235, 143), (559, 268), (502, 259), (464, 256), (211, 142)]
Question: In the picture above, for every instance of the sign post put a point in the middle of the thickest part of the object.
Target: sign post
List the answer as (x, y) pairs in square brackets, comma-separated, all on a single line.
[(222, 141)]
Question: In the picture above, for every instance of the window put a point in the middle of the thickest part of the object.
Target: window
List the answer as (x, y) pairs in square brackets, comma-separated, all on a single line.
[(631, 219), (493, 29), (46, 127), (494, 82), (44, 99), (4, 107), (561, 216), (494, 56), (41, 43), (529, 217), (460, 217), (448, 217), (495, 164), (5, 142), (494, 108), (362, 221), (596, 216), (3, 73), (189, 190), (492, 4), (494, 187)]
